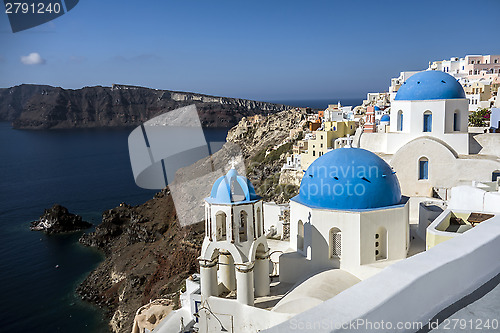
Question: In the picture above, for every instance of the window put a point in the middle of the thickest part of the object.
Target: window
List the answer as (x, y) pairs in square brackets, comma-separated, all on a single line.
[(335, 243), (456, 121), (300, 236), (423, 168), (427, 121), (381, 244), (496, 61), (220, 221), (400, 120), (314, 153), (495, 175), (243, 226)]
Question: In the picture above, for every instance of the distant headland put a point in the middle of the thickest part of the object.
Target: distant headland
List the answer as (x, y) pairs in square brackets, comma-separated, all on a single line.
[(30, 106)]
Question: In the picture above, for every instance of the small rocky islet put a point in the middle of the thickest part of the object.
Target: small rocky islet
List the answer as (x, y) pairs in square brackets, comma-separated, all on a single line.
[(58, 219)]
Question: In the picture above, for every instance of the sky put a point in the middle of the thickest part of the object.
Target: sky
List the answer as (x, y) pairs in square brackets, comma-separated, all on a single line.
[(262, 50)]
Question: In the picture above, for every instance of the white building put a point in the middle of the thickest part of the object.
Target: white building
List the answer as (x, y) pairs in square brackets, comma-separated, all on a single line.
[(349, 214), (397, 82), (495, 118), (478, 74), (293, 162), (234, 241), (472, 66), (428, 141)]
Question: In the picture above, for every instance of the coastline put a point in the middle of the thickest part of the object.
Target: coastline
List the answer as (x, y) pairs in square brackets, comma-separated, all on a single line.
[(87, 171)]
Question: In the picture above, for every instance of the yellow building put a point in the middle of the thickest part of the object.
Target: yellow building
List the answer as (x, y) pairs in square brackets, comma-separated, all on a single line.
[(325, 140), (341, 128)]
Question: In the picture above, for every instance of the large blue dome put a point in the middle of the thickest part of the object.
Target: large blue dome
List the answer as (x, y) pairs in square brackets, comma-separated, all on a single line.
[(232, 188), (430, 85), (349, 179)]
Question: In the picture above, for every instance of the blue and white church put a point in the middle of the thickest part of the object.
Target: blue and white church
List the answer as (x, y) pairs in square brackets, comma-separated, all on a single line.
[(235, 254), (428, 142), (348, 222), (349, 214)]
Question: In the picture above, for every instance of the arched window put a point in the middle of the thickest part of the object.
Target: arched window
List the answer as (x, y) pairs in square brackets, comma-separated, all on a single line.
[(243, 226), (456, 121), (381, 244), (259, 223), (423, 168), (495, 175), (335, 243), (427, 121), (300, 236), (400, 121), (220, 221)]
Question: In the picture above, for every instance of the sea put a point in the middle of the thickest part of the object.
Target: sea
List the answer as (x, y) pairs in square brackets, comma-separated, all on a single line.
[(86, 170), (320, 103)]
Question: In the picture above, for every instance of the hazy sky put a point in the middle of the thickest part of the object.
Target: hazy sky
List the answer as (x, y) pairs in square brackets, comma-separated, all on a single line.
[(264, 50)]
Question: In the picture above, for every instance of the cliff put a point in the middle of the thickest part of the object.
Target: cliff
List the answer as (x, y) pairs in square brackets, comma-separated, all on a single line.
[(148, 253), (46, 107)]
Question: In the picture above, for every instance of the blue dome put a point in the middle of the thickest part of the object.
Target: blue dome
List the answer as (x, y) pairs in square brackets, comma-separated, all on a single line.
[(376, 108), (349, 179), (430, 85), (385, 118), (232, 188)]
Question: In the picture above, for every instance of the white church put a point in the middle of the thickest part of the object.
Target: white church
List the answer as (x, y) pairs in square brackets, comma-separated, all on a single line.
[(234, 241), (348, 223), (428, 143)]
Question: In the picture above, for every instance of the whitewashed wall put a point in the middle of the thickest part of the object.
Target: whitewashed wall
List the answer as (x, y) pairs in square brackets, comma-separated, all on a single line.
[(412, 290)]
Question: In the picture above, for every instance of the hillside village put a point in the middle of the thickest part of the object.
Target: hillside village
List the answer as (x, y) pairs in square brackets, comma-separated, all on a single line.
[(321, 201)]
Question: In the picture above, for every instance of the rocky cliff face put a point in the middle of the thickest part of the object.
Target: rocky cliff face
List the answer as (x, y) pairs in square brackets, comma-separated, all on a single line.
[(265, 146), (148, 253), (44, 107)]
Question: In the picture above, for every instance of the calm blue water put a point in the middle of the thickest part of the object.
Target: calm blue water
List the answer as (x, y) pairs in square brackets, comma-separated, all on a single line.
[(87, 171)]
